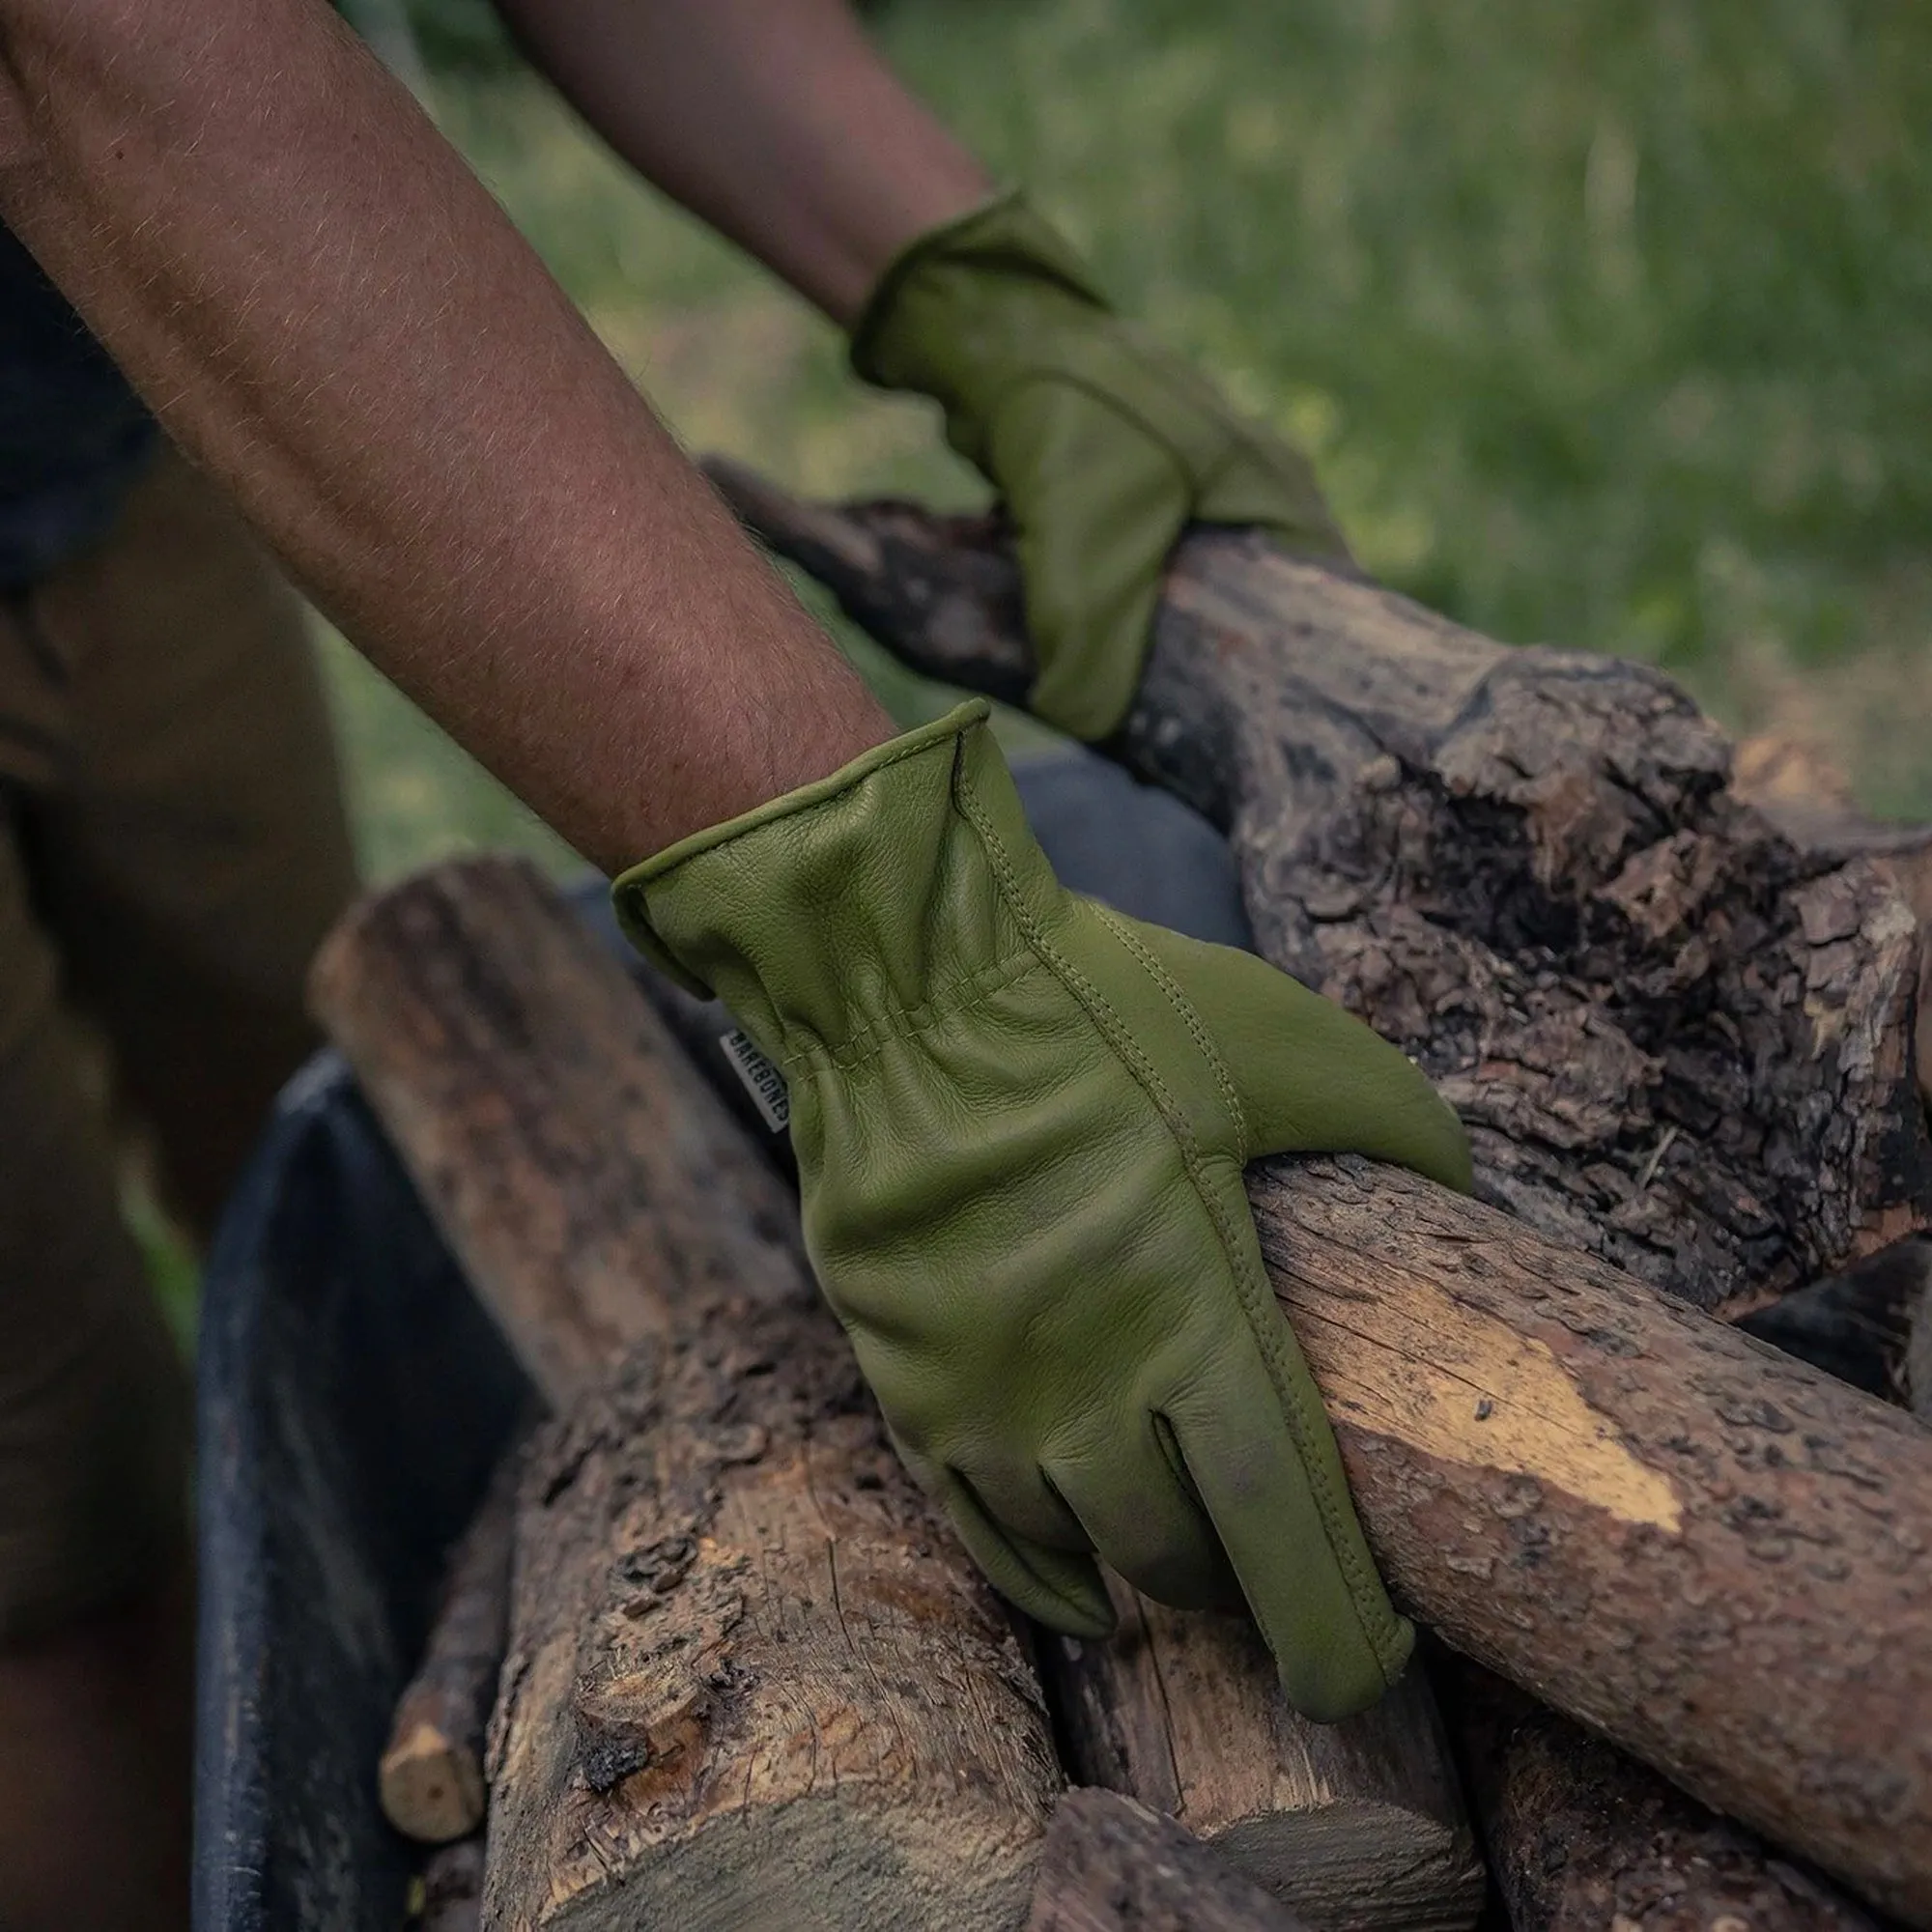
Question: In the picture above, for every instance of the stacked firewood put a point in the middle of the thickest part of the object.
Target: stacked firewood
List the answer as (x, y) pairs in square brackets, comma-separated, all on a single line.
[(705, 1656)]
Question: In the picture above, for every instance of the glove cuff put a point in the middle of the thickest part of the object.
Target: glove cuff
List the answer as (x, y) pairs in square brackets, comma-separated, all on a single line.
[(859, 907), (935, 322)]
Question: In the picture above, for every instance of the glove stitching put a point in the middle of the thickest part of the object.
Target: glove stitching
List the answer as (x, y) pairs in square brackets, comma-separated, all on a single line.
[(1249, 1292), (1257, 1297), (1185, 1008)]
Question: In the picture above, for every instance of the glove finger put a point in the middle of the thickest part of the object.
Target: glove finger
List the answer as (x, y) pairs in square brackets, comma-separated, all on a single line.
[(1283, 1518), (1312, 1077), (1135, 1502), (1096, 510), (1059, 1588)]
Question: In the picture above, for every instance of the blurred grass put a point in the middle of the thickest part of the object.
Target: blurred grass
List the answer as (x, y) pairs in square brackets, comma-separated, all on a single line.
[(1606, 325)]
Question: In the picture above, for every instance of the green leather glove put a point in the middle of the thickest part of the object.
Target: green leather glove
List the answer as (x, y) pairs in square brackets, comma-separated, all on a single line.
[(1020, 1121), (1103, 445)]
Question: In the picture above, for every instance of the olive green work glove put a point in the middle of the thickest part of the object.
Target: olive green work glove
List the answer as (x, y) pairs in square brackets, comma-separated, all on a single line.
[(1020, 1121), (1103, 445)]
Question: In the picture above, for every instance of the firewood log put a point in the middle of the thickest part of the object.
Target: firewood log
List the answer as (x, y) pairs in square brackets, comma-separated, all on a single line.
[(1636, 1513), (1359, 1824), (1683, 1045), (1112, 1866), (1580, 1837), (751, 1679), (1585, 1839), (430, 1779), (1679, 1042)]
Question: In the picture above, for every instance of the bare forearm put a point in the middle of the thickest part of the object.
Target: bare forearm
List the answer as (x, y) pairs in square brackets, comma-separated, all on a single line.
[(774, 120), (328, 310)]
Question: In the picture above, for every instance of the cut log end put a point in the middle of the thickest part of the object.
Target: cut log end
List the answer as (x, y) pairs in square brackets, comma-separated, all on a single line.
[(432, 1786)]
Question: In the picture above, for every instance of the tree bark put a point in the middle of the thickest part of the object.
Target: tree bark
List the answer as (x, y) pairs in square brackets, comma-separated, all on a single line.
[(751, 1679), (431, 1777), (1810, 803), (1585, 1839), (752, 1683), (1112, 1866), (1872, 1323), (1706, 1552), (1679, 1042)]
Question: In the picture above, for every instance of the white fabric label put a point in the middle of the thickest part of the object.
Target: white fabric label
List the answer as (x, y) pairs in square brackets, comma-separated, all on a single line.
[(763, 1082)]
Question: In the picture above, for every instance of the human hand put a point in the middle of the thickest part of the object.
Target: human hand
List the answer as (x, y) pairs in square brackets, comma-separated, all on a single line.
[(1021, 1121), (1103, 445)]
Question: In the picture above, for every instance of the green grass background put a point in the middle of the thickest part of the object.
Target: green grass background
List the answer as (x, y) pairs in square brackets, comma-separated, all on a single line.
[(1606, 325)]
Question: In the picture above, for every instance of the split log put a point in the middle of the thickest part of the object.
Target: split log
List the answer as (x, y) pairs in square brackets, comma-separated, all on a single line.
[(1681, 1044), (1354, 1824), (1112, 1865), (431, 1777), (1358, 1825), (752, 1678)]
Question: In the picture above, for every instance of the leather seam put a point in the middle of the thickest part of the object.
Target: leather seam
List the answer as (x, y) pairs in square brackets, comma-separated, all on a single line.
[(1334, 1522), (1191, 1018)]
